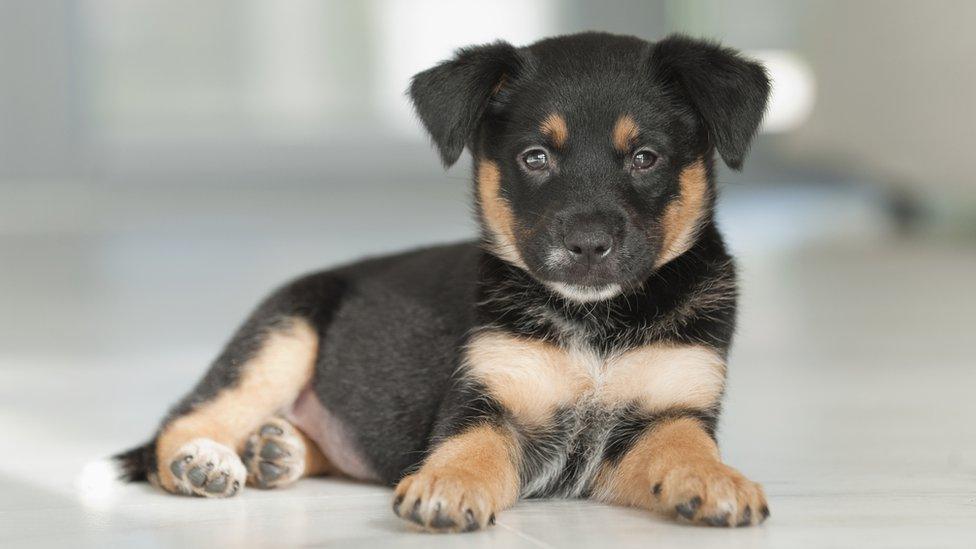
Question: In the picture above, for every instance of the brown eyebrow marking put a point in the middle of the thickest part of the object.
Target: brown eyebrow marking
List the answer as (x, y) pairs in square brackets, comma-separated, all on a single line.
[(624, 133), (555, 127)]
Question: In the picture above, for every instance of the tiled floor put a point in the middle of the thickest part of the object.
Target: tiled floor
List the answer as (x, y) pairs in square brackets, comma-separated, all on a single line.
[(851, 399)]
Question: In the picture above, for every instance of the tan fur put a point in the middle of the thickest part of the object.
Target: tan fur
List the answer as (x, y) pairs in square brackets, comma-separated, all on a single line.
[(529, 377), (497, 213), (682, 219), (475, 470), (532, 378), (673, 464), (661, 377), (554, 126), (316, 463), (624, 133), (268, 382)]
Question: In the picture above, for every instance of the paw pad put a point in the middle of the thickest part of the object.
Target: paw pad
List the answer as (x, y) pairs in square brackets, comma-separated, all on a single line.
[(206, 468), (274, 455)]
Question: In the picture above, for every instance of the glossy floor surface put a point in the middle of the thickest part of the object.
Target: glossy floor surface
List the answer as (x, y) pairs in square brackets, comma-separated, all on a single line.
[(851, 394)]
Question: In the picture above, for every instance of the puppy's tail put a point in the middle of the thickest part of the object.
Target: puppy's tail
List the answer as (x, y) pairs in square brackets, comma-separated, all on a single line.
[(135, 465)]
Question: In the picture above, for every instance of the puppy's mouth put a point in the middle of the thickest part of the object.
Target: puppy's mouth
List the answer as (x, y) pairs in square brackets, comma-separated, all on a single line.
[(578, 281), (585, 294)]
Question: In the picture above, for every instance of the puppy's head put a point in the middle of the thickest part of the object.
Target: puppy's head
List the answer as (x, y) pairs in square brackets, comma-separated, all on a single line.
[(593, 152)]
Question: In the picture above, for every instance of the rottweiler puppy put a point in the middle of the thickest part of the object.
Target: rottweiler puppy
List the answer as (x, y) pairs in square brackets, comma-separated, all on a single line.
[(577, 349)]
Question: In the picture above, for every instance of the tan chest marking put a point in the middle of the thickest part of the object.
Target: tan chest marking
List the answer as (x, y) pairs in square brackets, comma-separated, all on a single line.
[(532, 379), (659, 377)]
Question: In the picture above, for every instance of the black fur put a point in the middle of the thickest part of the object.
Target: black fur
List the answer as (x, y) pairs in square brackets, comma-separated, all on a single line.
[(392, 329), (633, 423), (452, 97), (136, 464), (728, 92)]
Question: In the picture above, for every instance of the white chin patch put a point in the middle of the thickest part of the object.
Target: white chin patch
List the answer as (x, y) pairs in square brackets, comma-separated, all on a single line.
[(585, 294)]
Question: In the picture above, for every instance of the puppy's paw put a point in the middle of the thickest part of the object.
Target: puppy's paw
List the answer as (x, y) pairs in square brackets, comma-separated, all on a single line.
[(445, 500), (206, 468), (274, 455), (711, 493)]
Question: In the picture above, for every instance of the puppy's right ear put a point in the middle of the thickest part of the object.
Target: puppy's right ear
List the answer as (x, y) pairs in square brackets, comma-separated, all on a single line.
[(452, 97)]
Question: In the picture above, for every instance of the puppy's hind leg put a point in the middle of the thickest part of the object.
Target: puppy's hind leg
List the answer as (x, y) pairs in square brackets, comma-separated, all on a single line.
[(261, 372)]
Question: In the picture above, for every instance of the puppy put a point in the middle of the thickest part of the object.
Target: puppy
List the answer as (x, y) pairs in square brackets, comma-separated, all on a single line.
[(576, 350)]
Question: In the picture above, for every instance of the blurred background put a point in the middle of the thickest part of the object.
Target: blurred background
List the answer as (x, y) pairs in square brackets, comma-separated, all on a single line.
[(218, 148), (163, 164)]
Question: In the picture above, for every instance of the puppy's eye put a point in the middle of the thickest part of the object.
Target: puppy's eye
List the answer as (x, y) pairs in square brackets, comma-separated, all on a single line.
[(536, 159), (644, 159)]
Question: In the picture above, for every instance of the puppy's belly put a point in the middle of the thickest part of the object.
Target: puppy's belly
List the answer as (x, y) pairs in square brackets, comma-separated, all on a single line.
[(331, 436)]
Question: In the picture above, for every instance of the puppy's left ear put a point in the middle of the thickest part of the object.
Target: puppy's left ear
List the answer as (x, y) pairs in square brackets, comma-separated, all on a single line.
[(452, 97), (728, 91)]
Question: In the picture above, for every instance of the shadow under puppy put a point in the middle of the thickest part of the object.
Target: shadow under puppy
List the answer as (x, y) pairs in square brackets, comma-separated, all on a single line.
[(577, 350)]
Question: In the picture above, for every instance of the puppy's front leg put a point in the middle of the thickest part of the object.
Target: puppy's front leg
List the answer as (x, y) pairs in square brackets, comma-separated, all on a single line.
[(465, 480), (675, 468)]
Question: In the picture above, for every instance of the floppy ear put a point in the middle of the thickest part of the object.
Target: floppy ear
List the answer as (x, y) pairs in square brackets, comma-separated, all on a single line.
[(727, 90), (452, 97)]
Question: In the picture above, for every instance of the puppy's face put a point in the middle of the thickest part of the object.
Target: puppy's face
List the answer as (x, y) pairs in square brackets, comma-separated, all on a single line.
[(593, 152), (577, 173)]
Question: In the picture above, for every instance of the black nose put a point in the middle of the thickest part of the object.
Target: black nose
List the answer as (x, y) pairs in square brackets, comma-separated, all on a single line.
[(588, 243)]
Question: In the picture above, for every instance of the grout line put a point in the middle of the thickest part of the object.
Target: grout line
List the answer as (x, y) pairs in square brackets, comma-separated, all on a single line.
[(525, 536)]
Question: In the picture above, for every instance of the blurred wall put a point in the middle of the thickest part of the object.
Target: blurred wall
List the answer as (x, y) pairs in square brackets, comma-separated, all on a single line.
[(896, 92), (153, 91), (38, 96)]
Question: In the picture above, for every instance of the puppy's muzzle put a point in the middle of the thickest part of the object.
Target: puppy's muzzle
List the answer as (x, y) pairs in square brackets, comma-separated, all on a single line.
[(591, 238)]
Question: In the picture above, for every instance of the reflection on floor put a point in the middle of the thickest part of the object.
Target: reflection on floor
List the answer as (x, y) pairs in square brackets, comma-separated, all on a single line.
[(850, 393)]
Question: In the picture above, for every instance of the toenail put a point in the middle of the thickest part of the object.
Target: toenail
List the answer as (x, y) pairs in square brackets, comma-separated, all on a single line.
[(415, 513), (441, 520), (746, 517), (470, 524), (271, 430), (717, 520), (688, 508)]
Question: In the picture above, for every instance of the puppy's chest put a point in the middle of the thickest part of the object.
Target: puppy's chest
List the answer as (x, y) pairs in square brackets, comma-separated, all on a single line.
[(533, 379), (577, 380), (568, 414), (568, 401)]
